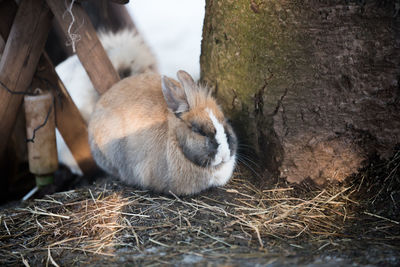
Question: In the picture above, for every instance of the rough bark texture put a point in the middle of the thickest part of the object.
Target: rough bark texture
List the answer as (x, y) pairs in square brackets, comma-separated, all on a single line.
[(313, 86)]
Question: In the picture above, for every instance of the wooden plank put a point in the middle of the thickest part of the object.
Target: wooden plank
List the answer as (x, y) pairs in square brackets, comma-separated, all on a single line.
[(88, 47), (105, 16), (16, 149), (69, 121), (18, 63)]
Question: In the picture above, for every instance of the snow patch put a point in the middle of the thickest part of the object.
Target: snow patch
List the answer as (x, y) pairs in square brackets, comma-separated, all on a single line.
[(173, 29)]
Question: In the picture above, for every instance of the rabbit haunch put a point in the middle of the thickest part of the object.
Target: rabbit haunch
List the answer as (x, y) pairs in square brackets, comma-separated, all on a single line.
[(158, 134)]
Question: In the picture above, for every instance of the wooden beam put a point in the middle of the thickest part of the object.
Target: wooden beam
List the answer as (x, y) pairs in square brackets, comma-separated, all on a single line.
[(16, 149), (103, 15), (69, 120), (18, 64), (88, 47)]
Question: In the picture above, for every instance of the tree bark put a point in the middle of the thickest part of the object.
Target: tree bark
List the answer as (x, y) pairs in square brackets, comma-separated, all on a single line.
[(312, 86)]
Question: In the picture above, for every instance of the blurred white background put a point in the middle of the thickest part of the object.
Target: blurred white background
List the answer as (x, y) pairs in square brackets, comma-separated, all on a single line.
[(172, 29)]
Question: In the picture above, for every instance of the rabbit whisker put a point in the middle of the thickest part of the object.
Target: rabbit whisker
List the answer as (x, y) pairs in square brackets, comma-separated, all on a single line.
[(249, 167), (249, 160)]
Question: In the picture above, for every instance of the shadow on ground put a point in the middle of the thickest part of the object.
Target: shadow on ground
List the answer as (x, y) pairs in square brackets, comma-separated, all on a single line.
[(241, 224)]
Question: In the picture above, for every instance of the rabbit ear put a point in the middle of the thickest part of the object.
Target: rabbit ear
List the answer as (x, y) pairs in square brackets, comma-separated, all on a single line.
[(174, 95), (186, 80)]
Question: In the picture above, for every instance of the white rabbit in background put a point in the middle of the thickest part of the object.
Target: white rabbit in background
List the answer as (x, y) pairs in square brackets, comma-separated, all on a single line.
[(153, 132), (129, 55)]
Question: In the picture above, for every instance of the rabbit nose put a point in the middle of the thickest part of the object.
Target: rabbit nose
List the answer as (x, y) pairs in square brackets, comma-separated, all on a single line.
[(214, 145)]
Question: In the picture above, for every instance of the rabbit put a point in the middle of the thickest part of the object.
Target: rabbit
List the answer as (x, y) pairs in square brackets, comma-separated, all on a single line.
[(128, 54), (159, 134)]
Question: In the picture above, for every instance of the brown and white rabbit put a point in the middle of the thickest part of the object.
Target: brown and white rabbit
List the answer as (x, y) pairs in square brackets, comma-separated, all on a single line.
[(129, 55), (153, 132)]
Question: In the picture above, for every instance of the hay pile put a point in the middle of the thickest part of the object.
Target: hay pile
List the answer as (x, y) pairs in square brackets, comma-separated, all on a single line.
[(239, 223)]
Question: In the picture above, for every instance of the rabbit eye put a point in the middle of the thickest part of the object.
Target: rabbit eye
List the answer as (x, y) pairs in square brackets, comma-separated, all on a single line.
[(198, 130)]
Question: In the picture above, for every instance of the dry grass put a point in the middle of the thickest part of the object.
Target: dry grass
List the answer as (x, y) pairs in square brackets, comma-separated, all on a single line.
[(237, 221), (71, 220)]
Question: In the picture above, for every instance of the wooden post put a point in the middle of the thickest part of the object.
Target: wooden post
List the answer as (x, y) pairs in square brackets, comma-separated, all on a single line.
[(21, 54), (41, 133), (104, 15), (88, 47), (16, 150), (69, 120)]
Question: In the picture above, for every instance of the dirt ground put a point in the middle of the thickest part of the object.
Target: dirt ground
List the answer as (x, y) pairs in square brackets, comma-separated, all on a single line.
[(245, 223)]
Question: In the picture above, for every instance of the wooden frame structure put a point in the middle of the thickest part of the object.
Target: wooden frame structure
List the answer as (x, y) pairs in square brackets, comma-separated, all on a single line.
[(24, 29)]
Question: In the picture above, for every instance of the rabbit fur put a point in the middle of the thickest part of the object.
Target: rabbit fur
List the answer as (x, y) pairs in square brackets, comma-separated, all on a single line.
[(158, 134), (128, 54)]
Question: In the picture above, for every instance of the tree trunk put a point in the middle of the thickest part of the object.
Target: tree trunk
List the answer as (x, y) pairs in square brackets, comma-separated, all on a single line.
[(312, 86)]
